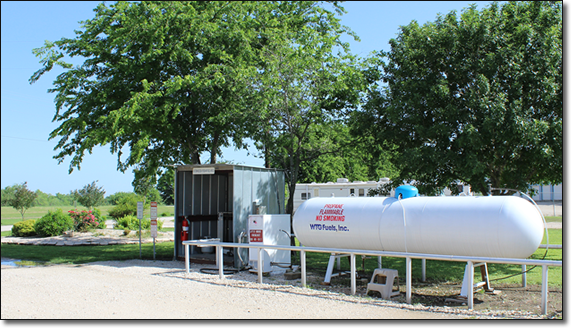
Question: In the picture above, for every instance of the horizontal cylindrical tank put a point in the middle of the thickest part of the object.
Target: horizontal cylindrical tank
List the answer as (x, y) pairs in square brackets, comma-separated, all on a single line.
[(488, 226)]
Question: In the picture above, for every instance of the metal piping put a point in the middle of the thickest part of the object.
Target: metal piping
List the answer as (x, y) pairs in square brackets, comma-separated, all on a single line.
[(408, 256)]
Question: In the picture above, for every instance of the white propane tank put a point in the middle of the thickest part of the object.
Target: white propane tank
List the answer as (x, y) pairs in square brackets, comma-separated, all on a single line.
[(496, 226)]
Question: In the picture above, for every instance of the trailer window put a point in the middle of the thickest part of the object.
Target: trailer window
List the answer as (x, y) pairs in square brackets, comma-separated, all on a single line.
[(361, 192), (305, 195)]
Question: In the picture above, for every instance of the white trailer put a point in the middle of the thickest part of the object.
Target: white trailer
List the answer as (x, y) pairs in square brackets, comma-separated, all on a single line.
[(344, 188), (341, 188)]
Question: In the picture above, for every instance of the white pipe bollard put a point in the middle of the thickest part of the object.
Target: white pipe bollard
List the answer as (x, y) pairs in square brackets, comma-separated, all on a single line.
[(408, 280), (380, 262), (523, 275), (544, 290), (303, 272), (260, 265), (186, 259), (353, 275), (220, 260), (470, 285)]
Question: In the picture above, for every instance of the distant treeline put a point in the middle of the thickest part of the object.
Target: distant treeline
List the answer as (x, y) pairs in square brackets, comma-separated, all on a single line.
[(45, 199)]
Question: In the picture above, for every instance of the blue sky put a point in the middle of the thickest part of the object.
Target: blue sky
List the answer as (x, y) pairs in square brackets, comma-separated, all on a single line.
[(27, 110)]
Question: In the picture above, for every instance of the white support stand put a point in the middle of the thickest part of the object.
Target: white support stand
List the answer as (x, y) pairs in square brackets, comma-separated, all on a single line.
[(485, 283), (330, 265)]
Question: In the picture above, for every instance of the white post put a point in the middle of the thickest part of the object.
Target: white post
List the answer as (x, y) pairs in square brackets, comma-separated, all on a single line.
[(470, 285), (260, 265), (523, 275), (220, 260), (303, 272), (380, 261), (186, 259), (544, 290), (353, 275), (408, 280)]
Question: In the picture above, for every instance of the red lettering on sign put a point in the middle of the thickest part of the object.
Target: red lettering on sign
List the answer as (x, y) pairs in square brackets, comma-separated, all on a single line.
[(256, 236), (331, 212)]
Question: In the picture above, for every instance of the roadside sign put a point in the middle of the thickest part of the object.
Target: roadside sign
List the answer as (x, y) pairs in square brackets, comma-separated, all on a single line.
[(140, 210), (154, 219), (154, 228), (153, 210), (153, 224)]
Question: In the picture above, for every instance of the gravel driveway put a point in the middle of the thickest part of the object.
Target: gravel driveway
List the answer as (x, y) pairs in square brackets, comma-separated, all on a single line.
[(137, 289)]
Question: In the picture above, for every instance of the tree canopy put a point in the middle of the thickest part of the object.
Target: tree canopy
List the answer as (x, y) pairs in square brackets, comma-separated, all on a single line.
[(308, 83), (23, 198), (476, 98), (90, 195), (165, 79), (171, 80)]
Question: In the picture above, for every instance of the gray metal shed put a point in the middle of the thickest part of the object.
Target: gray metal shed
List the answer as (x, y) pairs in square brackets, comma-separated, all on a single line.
[(217, 199)]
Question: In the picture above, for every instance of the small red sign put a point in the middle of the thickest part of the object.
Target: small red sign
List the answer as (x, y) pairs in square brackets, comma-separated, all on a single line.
[(256, 236)]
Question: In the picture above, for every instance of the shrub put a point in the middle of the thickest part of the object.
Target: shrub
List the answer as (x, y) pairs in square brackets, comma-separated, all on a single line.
[(128, 222), (83, 221), (24, 228), (99, 218), (126, 204), (132, 223), (54, 223), (122, 210)]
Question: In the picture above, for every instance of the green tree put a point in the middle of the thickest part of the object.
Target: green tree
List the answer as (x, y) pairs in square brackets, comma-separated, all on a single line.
[(476, 98), (8, 194), (308, 79), (174, 79), (90, 195), (42, 199), (165, 185), (63, 199), (359, 159), (126, 204), (167, 79), (23, 198)]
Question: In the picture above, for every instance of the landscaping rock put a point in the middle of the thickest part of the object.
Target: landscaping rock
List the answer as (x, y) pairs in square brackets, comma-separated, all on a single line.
[(98, 237)]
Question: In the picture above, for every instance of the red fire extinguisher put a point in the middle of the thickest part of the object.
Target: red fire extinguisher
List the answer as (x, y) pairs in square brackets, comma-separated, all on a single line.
[(184, 232)]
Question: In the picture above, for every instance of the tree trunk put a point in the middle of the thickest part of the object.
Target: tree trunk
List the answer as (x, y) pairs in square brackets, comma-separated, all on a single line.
[(214, 148), (267, 158), (195, 158)]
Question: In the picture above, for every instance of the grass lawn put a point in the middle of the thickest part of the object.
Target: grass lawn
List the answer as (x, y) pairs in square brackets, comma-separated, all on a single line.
[(86, 254)]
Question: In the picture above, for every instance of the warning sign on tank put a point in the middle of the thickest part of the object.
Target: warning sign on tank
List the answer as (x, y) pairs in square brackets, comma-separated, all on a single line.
[(331, 212), (256, 236)]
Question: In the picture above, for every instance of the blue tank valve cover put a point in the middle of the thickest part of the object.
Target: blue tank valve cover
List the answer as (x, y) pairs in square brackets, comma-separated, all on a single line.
[(406, 191)]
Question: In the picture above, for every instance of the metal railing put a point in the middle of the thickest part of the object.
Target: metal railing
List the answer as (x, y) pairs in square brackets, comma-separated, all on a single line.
[(471, 260)]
